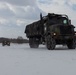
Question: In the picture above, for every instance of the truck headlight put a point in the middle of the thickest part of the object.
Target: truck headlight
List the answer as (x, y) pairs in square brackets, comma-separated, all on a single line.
[(54, 34)]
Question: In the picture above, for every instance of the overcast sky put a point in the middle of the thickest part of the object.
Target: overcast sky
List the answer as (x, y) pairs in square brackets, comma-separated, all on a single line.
[(16, 14)]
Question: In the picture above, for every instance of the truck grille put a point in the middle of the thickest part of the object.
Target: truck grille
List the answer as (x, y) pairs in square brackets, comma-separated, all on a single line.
[(66, 30)]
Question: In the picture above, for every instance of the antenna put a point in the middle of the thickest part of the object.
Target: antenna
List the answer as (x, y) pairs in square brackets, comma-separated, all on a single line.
[(40, 16)]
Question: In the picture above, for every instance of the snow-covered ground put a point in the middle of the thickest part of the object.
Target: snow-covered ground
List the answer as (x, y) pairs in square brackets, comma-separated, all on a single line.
[(22, 60)]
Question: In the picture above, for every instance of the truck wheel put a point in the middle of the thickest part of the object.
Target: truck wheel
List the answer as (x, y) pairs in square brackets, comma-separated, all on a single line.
[(2, 44), (50, 43), (75, 43), (71, 44), (33, 42), (8, 43)]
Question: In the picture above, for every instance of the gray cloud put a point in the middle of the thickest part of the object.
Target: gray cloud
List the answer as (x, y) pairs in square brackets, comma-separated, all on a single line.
[(28, 13), (23, 13), (20, 2), (6, 13), (15, 14)]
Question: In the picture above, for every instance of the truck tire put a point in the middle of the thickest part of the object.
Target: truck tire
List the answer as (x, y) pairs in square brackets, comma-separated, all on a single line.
[(8, 43), (3, 44), (33, 42), (71, 44), (75, 43), (50, 43)]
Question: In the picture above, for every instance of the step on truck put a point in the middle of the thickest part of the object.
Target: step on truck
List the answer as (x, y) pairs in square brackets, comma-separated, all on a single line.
[(51, 30)]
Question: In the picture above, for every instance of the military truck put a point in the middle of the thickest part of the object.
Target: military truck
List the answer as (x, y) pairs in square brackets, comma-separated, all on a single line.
[(51, 30)]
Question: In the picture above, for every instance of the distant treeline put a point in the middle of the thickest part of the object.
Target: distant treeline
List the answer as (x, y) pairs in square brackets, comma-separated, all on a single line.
[(14, 40)]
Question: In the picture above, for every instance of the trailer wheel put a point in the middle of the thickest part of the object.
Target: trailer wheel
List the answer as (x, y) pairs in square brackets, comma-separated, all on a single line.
[(50, 43), (33, 42), (71, 44)]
